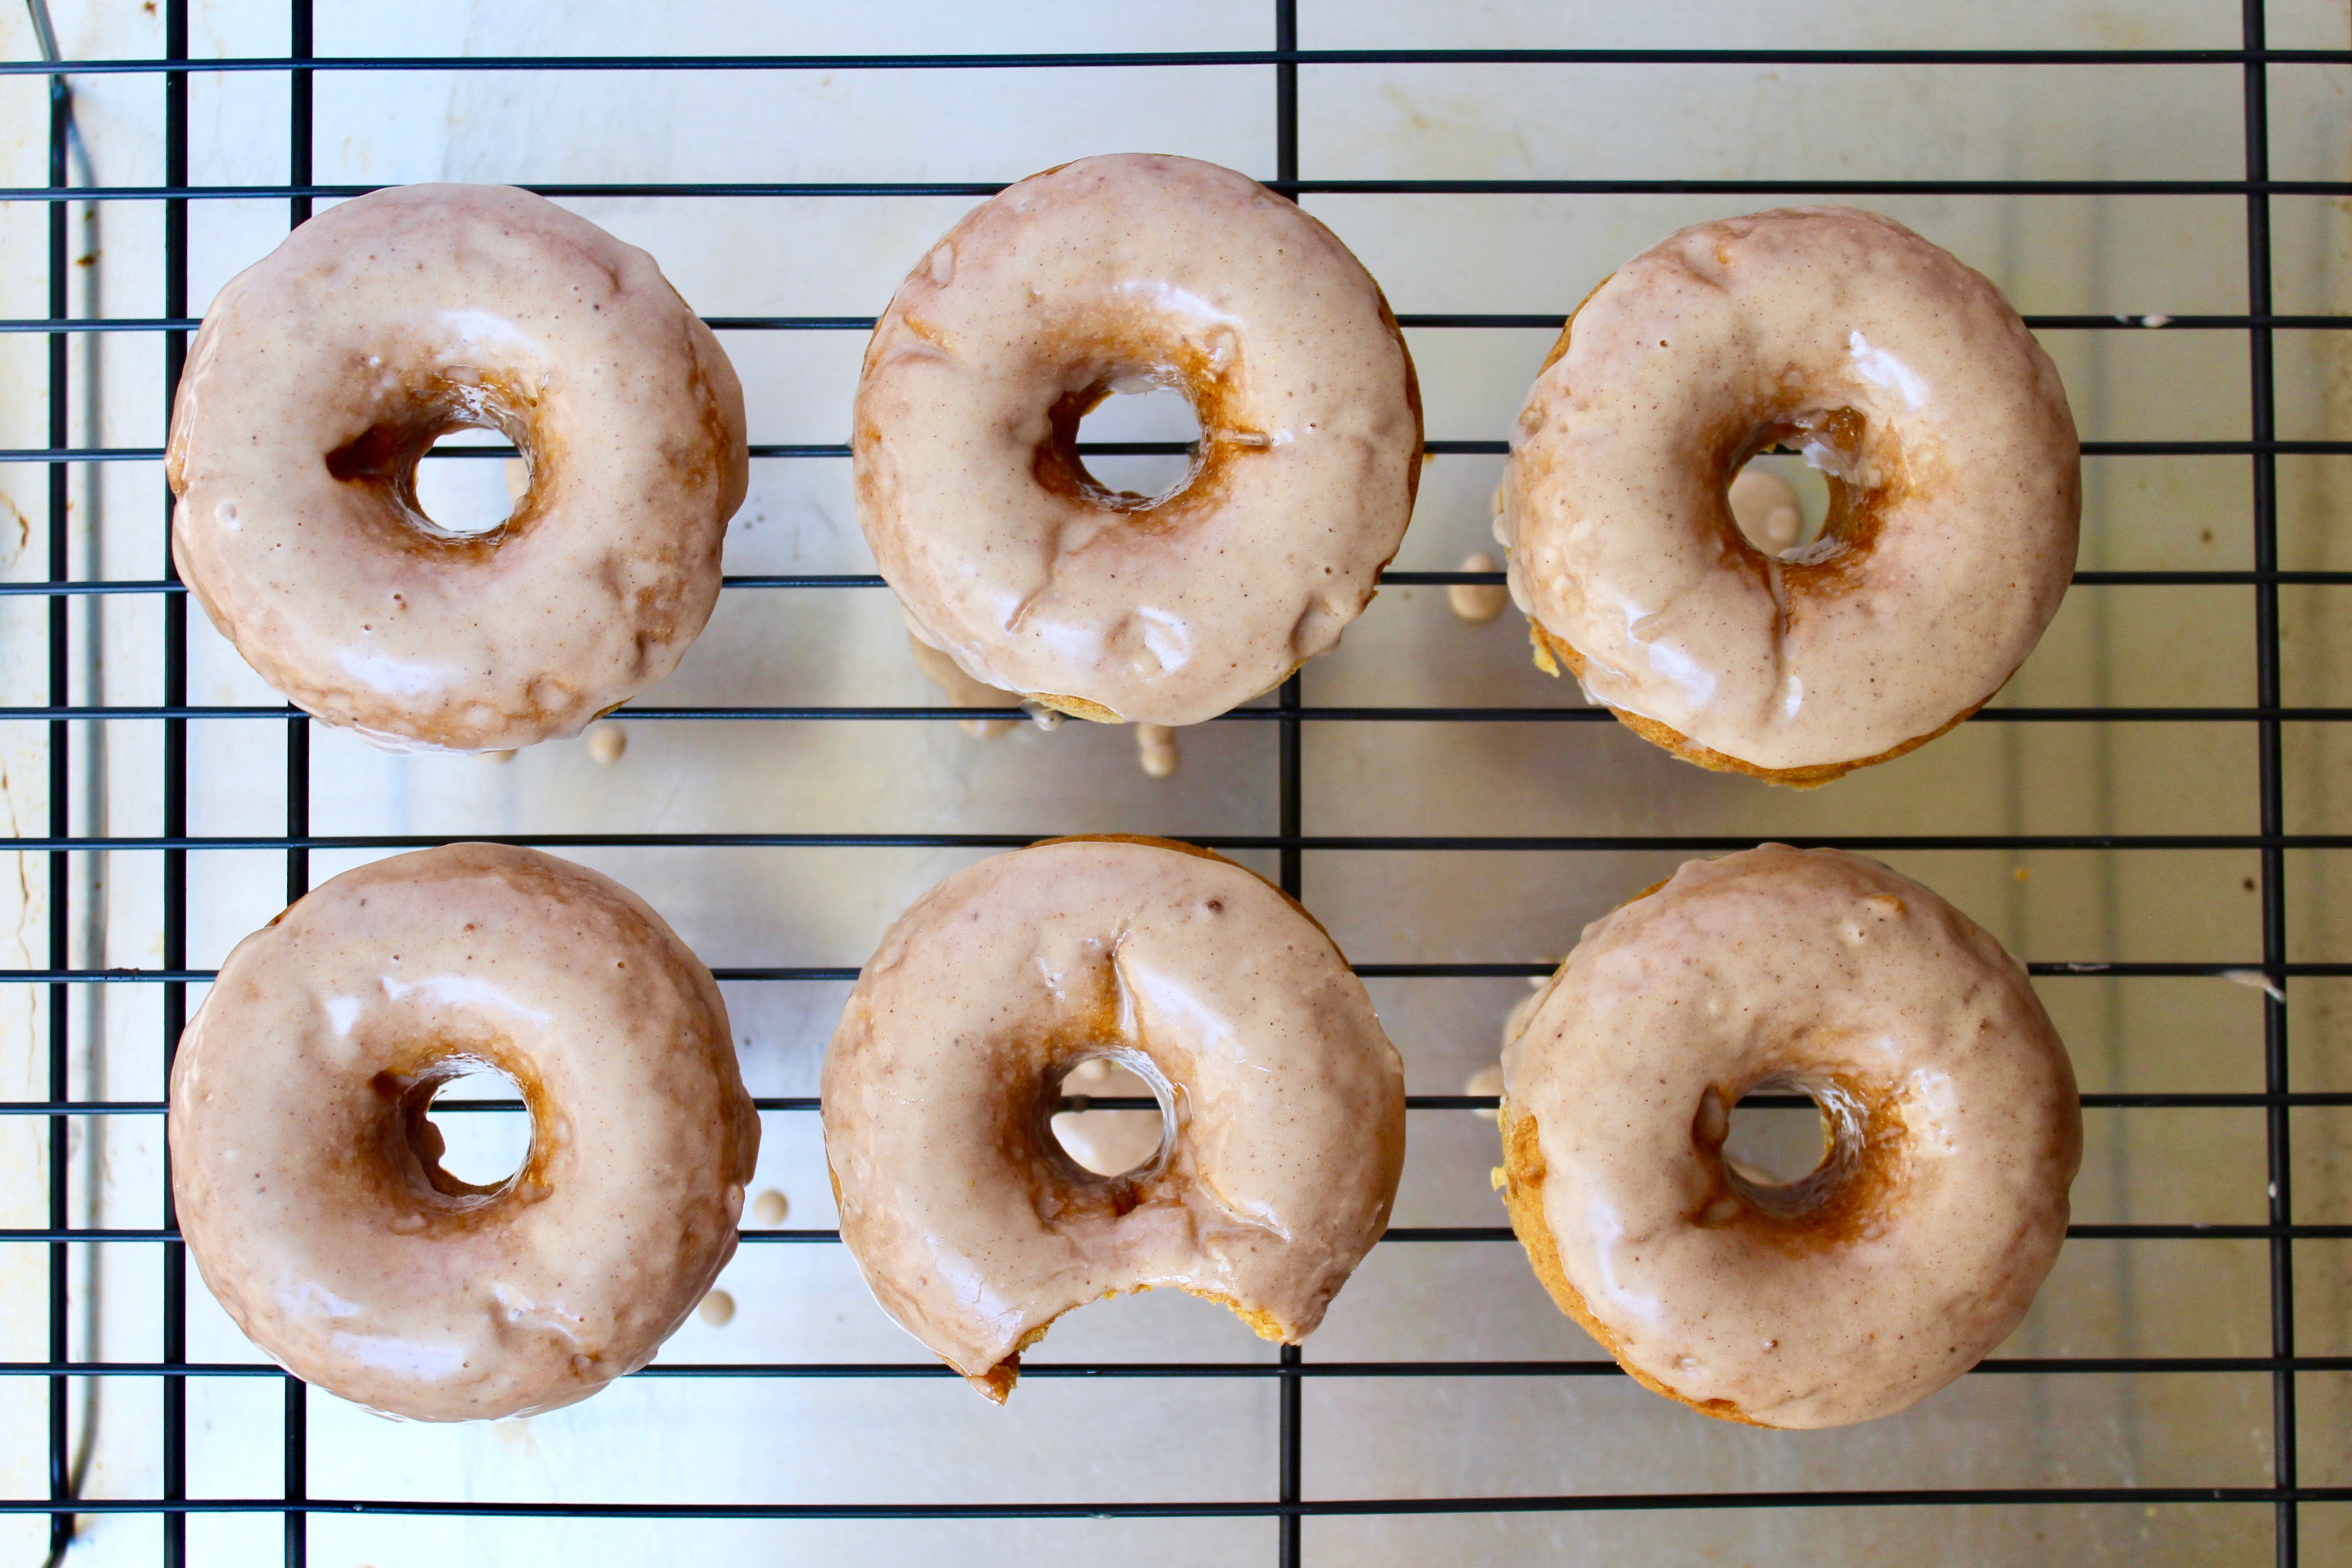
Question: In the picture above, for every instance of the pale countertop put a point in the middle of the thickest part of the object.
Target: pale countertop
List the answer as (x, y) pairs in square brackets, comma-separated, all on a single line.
[(834, 1440)]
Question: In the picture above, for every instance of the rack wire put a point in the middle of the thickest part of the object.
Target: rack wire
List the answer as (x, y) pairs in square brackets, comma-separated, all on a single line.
[(1289, 841)]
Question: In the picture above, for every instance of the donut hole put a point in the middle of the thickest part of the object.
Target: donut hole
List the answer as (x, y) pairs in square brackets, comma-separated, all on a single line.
[(474, 1134), (466, 496), (1788, 1143), (1780, 502), (1776, 1138), (1139, 444), (1112, 1116), (452, 500)]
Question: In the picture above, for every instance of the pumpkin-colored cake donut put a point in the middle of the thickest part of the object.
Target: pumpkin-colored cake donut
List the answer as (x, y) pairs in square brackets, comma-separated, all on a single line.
[(309, 1180), (1951, 1131), (1282, 1102), (329, 368), (1119, 273), (1955, 487)]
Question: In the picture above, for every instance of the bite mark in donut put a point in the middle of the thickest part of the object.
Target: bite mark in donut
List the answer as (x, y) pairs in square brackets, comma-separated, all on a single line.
[(1282, 1103)]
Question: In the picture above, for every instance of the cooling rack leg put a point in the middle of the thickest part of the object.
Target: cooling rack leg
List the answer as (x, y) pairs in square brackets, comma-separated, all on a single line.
[(175, 781), (2275, 1071), (298, 768), (1285, 92), (61, 826), (298, 1487), (1286, 167)]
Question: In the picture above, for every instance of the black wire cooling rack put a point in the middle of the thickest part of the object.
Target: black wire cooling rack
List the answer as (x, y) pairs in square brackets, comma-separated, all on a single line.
[(1286, 1505)]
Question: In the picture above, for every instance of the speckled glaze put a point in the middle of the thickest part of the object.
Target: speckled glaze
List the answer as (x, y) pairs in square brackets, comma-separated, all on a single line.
[(1952, 1119), (1116, 273), (328, 367), (307, 1180), (1955, 480), (974, 1226)]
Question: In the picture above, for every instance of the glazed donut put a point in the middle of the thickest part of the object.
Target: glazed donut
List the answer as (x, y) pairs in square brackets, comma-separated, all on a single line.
[(326, 370), (1955, 482), (1283, 1104), (309, 1180), (1952, 1129), (1115, 274)]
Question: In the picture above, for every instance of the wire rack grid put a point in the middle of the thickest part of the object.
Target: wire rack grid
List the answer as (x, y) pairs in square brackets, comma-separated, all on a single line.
[(1287, 1504)]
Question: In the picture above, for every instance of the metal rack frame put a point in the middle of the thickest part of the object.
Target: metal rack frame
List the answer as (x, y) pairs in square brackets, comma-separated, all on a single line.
[(1288, 1505)]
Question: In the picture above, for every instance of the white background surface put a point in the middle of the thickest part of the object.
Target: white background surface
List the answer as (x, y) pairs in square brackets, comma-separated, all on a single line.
[(933, 1440)]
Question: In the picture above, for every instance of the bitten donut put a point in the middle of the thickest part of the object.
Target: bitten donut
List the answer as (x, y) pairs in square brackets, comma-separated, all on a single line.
[(1117, 274), (326, 370), (309, 1180), (1954, 475), (1283, 1102), (1952, 1131)]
